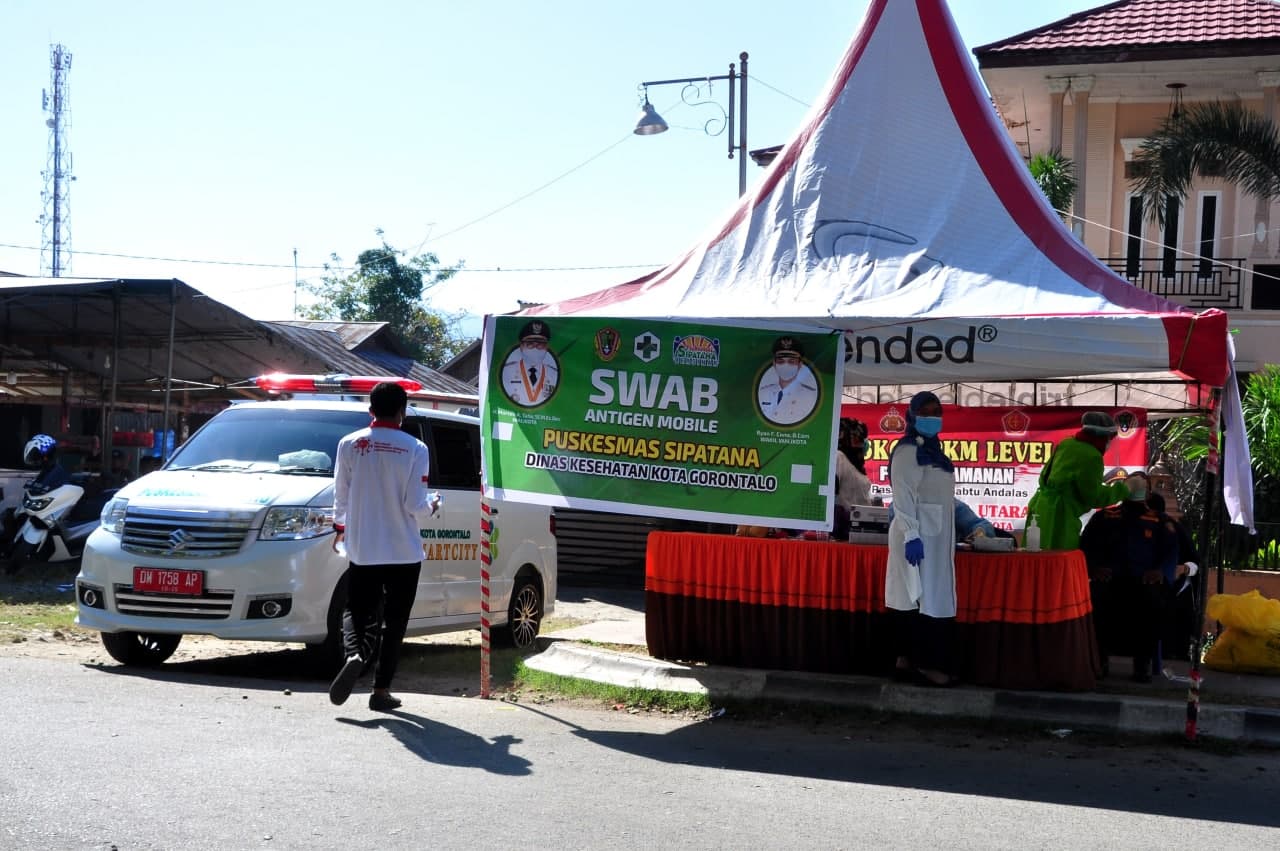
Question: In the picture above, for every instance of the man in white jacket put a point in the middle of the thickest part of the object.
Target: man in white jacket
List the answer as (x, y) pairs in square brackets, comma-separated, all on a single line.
[(380, 485)]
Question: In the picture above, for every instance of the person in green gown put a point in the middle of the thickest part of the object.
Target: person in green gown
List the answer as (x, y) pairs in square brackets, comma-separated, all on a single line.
[(1071, 483)]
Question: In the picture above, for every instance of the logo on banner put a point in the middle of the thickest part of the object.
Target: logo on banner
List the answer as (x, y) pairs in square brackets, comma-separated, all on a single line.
[(607, 342), (696, 350), (1015, 423), (892, 422), (1126, 423), (910, 347), (647, 347)]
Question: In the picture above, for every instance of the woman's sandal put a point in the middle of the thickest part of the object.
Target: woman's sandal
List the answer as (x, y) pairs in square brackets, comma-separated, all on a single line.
[(924, 679)]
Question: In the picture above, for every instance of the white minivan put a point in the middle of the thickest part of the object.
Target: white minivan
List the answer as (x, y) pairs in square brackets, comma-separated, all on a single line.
[(233, 538)]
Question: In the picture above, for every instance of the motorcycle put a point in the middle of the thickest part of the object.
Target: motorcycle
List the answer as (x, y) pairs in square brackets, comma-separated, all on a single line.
[(52, 524)]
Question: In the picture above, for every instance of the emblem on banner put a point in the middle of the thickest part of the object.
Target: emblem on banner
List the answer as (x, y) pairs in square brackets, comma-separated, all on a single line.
[(647, 346), (696, 350), (892, 422), (1015, 423), (1126, 423), (607, 342)]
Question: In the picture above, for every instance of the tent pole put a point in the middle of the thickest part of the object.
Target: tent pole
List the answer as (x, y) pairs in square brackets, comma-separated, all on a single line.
[(1211, 488), (168, 372)]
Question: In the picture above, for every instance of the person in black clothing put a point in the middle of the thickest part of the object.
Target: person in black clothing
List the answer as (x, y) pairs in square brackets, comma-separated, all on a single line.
[(1181, 596), (1132, 557)]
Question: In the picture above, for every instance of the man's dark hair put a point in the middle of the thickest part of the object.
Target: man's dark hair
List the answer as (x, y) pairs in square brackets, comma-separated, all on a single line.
[(387, 400)]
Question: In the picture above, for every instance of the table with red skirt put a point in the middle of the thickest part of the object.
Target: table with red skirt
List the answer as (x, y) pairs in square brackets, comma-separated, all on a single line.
[(1023, 620)]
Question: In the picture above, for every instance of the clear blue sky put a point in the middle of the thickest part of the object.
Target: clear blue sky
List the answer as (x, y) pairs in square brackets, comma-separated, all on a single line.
[(238, 131)]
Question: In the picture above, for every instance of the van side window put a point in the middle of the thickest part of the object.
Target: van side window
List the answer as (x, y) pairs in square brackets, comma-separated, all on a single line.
[(455, 455)]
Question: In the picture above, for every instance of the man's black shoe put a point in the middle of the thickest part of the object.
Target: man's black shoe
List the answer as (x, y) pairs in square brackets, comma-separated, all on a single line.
[(340, 688), (383, 702)]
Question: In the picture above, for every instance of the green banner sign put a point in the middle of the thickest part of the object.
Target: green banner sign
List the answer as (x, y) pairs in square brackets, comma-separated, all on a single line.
[(684, 419)]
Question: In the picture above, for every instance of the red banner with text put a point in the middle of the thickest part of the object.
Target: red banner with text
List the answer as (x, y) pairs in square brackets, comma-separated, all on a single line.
[(998, 452)]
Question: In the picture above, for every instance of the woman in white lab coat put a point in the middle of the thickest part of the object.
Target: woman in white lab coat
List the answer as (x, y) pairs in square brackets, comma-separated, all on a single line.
[(920, 583)]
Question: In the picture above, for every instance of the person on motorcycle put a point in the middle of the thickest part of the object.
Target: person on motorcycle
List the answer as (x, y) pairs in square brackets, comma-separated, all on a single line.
[(42, 451)]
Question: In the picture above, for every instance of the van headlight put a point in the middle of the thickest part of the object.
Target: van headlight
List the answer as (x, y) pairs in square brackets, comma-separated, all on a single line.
[(113, 515), (296, 522)]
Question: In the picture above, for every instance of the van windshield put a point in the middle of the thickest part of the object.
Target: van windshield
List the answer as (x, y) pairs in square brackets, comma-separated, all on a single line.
[(269, 440)]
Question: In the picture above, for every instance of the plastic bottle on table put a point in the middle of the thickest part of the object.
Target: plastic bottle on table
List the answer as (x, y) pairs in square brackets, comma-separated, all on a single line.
[(1031, 537)]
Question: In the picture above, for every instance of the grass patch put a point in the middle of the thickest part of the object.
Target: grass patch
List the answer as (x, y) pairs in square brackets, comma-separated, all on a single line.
[(39, 598), (537, 682)]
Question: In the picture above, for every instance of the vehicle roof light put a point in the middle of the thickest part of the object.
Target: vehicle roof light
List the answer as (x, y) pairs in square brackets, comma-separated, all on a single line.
[(280, 382)]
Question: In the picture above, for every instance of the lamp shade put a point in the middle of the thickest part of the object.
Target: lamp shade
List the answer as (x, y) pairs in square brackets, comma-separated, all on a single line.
[(650, 122)]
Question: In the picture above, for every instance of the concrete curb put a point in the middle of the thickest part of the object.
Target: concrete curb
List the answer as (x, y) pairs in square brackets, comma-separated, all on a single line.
[(1095, 712)]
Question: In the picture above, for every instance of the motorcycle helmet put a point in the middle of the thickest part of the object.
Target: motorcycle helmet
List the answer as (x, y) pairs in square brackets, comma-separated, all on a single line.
[(38, 450)]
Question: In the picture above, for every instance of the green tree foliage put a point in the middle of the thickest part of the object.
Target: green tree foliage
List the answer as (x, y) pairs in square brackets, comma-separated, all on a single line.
[(1226, 140), (1056, 177), (385, 287), (1188, 439)]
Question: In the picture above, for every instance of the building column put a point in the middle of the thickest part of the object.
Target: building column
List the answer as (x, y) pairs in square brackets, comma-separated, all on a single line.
[(1057, 88), (1269, 80), (1080, 88)]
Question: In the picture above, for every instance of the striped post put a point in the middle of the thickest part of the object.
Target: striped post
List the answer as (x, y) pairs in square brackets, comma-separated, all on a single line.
[(486, 526)]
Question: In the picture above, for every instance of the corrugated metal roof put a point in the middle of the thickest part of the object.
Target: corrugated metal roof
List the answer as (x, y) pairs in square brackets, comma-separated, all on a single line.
[(328, 345), (56, 326), (1150, 23), (351, 333)]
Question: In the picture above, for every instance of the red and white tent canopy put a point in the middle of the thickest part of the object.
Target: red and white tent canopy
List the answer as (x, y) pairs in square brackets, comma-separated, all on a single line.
[(902, 213)]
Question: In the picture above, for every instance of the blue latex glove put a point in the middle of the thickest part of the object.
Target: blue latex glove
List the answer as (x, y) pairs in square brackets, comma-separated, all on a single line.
[(914, 551)]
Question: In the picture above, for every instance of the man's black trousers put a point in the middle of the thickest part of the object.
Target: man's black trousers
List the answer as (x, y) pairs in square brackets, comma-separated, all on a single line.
[(379, 598)]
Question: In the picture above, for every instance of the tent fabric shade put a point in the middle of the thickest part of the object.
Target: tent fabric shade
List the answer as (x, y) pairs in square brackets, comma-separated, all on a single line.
[(902, 204), (901, 214)]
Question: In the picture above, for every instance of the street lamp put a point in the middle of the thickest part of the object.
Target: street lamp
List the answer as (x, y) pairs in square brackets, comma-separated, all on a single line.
[(651, 123)]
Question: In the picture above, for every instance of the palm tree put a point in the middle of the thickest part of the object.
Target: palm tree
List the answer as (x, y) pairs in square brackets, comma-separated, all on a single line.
[(1056, 177), (1219, 139)]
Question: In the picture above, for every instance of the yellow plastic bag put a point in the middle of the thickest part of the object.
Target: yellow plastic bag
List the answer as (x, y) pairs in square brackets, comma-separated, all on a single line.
[(1243, 652), (1250, 612)]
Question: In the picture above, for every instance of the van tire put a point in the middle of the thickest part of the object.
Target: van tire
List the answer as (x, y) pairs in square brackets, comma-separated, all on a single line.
[(140, 649), (324, 658), (524, 615)]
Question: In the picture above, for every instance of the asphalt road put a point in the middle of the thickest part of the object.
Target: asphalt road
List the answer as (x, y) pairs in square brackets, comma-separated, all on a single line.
[(95, 757)]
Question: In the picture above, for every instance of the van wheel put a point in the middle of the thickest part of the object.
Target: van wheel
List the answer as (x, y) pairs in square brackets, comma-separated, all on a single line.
[(324, 658), (141, 649), (524, 615)]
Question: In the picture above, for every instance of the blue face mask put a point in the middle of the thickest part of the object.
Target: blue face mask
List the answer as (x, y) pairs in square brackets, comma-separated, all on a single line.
[(929, 426)]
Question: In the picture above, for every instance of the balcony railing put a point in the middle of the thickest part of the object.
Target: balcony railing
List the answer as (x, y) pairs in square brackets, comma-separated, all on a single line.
[(1189, 281)]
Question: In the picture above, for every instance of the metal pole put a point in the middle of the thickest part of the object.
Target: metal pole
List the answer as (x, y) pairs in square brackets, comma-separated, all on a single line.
[(742, 127), (168, 372), (108, 441), (1211, 489)]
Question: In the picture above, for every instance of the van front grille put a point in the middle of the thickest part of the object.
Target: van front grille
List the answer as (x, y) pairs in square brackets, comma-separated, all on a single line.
[(185, 533), (209, 606)]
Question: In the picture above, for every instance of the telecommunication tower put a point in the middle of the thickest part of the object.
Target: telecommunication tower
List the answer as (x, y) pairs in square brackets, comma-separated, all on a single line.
[(55, 233)]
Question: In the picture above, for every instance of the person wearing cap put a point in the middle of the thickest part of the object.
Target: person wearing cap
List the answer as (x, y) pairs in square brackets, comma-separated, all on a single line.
[(530, 373), (788, 389), (1071, 483), (120, 473)]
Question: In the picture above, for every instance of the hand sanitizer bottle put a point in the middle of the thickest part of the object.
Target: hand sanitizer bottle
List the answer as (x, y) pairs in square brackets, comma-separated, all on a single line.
[(1031, 537)]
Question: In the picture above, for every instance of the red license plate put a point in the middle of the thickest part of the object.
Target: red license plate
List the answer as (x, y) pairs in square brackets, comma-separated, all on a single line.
[(163, 581)]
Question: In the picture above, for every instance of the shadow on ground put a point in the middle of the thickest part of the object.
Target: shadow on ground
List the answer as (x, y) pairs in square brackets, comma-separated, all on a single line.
[(441, 669), (443, 744), (1158, 777)]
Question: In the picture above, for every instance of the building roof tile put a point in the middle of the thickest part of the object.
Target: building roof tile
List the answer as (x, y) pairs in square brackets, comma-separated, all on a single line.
[(1150, 23)]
